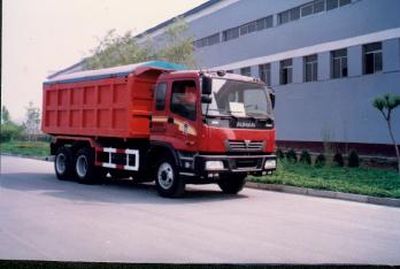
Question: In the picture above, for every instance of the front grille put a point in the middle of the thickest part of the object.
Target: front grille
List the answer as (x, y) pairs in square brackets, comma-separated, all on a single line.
[(244, 145), (252, 163)]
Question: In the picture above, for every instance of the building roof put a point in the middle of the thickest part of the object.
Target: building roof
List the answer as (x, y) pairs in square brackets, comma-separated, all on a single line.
[(69, 69), (118, 71), (187, 13)]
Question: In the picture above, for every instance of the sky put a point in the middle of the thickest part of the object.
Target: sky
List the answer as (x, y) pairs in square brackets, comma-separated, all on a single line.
[(40, 37)]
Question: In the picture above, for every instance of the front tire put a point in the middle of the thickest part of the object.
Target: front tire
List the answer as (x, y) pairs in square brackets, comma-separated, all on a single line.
[(86, 171), (64, 164), (232, 184), (168, 182)]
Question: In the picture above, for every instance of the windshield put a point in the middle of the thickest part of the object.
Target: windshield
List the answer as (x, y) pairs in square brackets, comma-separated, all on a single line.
[(238, 99)]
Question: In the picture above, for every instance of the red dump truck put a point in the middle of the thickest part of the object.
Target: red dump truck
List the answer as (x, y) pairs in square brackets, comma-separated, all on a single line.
[(155, 121)]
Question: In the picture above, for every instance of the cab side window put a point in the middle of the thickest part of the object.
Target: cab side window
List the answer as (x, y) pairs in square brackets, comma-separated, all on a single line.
[(183, 99), (161, 91)]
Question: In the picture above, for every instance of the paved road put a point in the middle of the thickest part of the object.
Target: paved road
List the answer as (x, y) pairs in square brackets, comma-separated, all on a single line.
[(42, 218)]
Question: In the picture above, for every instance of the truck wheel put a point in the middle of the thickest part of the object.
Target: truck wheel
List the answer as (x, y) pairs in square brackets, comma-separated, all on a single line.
[(85, 169), (168, 182), (63, 163), (232, 184)]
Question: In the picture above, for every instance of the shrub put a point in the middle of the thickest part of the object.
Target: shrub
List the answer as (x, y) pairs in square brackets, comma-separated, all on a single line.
[(10, 131), (305, 157), (291, 156), (354, 160), (36, 137), (338, 160), (320, 161), (279, 154)]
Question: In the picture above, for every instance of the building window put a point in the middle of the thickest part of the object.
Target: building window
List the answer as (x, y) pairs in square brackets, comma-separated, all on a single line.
[(310, 8), (264, 23), (307, 10), (344, 2), (207, 41), (283, 17), (294, 13), (230, 34), (248, 28), (310, 68), (372, 58), (339, 63), (245, 71), (286, 71), (264, 72), (332, 4), (289, 15), (319, 6), (313, 8), (257, 25)]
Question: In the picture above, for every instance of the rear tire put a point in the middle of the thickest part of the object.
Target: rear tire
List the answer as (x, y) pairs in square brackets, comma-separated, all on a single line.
[(86, 171), (232, 184), (168, 182), (64, 164)]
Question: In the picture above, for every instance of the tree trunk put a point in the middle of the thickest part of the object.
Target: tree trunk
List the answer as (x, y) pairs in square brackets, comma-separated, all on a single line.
[(395, 146)]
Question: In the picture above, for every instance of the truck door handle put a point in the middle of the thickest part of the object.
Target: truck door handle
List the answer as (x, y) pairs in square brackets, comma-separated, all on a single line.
[(170, 120)]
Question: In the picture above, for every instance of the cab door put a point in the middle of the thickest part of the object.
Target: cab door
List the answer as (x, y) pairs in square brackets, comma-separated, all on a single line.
[(160, 111), (182, 120)]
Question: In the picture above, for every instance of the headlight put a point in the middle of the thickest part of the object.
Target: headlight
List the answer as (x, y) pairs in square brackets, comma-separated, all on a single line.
[(270, 164), (214, 165)]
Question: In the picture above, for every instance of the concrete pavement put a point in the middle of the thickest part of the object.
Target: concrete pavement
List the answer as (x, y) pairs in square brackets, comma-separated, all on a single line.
[(42, 218)]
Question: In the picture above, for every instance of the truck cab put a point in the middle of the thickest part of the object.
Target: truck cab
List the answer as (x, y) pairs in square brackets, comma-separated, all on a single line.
[(217, 127)]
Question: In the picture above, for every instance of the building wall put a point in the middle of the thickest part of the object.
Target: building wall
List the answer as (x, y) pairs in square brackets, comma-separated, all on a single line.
[(359, 18), (327, 109)]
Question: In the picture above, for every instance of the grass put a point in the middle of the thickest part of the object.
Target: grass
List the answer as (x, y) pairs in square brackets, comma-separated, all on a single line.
[(26, 148), (367, 181)]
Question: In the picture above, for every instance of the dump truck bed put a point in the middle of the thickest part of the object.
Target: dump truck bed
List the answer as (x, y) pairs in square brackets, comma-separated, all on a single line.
[(113, 102)]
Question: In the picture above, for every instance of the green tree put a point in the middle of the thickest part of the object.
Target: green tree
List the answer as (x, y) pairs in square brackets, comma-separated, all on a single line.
[(386, 104), (32, 123), (179, 44), (5, 115), (114, 49), (8, 129)]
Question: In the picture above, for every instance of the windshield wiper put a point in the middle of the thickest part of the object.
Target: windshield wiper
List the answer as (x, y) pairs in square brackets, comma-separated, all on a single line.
[(221, 115), (254, 116)]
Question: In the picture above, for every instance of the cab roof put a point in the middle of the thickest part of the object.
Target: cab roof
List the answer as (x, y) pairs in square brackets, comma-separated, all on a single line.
[(216, 74), (226, 75)]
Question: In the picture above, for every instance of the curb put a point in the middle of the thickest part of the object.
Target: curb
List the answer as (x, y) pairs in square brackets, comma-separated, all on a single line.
[(46, 158), (325, 194)]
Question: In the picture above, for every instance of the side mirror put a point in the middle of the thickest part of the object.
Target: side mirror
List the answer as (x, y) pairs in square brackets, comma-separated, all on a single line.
[(272, 98), (205, 99), (206, 83)]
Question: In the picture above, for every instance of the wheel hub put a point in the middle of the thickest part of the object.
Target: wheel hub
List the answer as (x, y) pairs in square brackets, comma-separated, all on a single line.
[(81, 166), (165, 176), (61, 163)]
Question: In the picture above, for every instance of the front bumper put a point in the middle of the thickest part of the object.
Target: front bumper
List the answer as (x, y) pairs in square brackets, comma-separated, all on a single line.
[(232, 164)]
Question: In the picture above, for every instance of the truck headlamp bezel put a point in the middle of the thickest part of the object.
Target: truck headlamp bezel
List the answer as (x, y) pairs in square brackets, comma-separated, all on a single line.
[(214, 165), (270, 164)]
